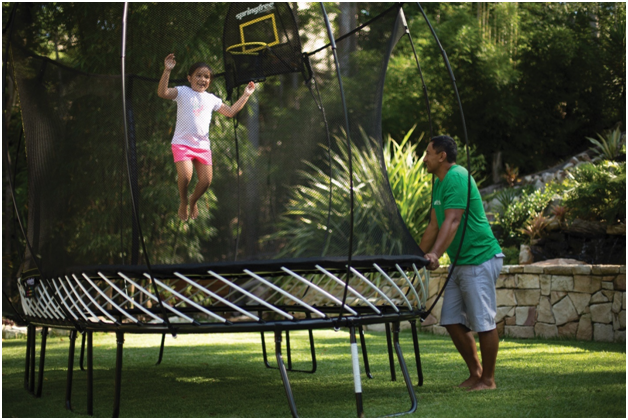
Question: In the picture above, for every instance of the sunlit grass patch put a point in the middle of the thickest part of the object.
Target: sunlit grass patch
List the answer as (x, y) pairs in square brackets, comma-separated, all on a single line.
[(223, 375)]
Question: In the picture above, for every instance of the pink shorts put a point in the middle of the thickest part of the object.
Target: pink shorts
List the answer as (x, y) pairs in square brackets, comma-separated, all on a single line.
[(181, 153)]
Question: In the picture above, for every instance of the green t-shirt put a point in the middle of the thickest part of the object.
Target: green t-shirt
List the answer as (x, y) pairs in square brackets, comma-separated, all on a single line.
[(479, 244)]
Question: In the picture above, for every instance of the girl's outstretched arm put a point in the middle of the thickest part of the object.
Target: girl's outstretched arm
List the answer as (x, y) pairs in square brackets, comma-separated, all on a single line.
[(163, 90), (232, 111)]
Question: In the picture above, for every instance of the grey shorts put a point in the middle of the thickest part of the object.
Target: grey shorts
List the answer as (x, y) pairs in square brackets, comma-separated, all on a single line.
[(470, 296)]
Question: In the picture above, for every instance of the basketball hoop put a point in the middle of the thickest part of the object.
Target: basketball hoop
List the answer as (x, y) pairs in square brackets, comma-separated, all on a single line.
[(254, 51)]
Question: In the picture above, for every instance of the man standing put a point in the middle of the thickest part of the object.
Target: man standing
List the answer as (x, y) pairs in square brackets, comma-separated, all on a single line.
[(469, 303)]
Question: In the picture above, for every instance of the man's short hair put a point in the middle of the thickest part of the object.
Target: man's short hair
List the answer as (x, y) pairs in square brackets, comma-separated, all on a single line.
[(445, 144)]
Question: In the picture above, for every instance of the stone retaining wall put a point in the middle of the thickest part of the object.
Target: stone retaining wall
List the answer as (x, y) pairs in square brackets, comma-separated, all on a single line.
[(585, 302)]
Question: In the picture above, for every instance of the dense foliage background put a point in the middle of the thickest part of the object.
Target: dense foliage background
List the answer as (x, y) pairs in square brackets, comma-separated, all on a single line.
[(534, 78)]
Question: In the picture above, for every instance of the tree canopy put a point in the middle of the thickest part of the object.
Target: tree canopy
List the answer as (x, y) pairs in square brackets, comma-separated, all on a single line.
[(534, 78)]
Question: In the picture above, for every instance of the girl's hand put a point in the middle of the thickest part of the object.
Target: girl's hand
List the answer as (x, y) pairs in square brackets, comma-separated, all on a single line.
[(169, 62), (250, 88)]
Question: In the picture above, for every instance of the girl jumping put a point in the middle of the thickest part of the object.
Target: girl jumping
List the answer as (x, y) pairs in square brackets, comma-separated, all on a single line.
[(190, 143)]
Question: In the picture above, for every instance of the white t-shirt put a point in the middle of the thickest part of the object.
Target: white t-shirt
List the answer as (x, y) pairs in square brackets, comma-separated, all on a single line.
[(194, 113)]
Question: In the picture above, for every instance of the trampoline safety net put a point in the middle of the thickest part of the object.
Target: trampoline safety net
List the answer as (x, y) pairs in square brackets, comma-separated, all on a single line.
[(290, 191), (280, 177)]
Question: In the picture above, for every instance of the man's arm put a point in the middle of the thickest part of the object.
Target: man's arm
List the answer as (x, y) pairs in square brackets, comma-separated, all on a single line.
[(446, 235), (429, 237)]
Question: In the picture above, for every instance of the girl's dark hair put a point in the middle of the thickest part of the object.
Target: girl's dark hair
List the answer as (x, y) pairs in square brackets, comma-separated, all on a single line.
[(199, 65), (445, 144)]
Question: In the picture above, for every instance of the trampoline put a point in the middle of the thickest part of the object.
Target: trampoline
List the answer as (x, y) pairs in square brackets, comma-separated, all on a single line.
[(105, 249)]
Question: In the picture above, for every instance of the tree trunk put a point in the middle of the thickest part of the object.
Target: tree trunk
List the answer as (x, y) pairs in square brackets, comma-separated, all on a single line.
[(497, 167), (348, 11)]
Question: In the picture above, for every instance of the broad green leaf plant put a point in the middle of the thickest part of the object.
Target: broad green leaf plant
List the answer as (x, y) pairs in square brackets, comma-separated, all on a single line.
[(610, 147), (304, 228)]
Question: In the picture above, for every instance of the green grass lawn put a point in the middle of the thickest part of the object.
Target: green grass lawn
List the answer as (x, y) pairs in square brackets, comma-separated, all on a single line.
[(223, 375)]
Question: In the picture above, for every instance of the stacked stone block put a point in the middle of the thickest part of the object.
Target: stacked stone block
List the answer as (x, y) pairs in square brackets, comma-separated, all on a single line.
[(585, 302)]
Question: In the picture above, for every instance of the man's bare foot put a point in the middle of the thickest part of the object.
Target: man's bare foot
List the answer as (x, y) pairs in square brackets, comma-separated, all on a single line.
[(482, 385), (183, 211), (193, 211), (470, 382)]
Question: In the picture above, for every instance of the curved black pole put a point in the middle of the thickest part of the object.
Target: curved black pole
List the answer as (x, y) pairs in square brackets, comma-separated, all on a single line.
[(351, 194), (128, 167), (466, 141), (416, 58)]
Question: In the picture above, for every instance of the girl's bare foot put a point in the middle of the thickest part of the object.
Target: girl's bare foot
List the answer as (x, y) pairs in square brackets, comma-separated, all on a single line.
[(183, 211), (193, 211)]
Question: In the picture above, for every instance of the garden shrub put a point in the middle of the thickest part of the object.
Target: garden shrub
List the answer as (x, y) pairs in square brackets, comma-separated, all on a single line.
[(518, 209), (597, 192), (303, 226), (511, 255)]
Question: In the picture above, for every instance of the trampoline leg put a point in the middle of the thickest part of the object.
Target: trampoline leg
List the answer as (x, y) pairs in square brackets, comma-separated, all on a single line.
[(82, 350), (284, 374), (90, 372), (312, 350), (289, 369), (68, 387), (357, 381), (31, 382), (161, 349), (264, 351), (264, 347), (417, 353), (365, 355), (404, 371), (288, 353), (118, 379), (42, 359), (391, 357), (27, 367)]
